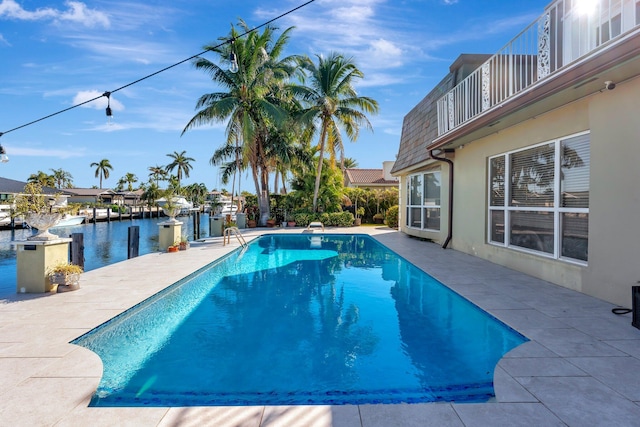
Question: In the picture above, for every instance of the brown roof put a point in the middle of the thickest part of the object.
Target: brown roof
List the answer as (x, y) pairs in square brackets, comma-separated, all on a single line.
[(368, 177)]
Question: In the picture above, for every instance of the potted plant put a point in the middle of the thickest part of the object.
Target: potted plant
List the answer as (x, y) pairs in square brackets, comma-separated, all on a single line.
[(184, 243), (66, 276), (359, 213), (378, 218), (271, 222), (252, 216), (175, 247), (36, 208), (170, 208)]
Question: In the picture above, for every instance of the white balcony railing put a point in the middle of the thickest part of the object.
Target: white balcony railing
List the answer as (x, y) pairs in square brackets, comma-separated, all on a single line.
[(566, 32)]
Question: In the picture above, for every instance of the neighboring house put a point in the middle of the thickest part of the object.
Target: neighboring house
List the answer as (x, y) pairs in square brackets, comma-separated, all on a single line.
[(371, 178), (544, 140), (90, 195), (10, 187), (128, 198)]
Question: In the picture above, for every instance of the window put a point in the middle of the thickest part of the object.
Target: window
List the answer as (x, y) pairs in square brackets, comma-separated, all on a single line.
[(539, 198), (423, 200)]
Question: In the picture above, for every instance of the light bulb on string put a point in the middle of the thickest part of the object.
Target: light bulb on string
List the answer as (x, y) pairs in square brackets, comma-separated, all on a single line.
[(3, 154), (108, 110), (233, 66)]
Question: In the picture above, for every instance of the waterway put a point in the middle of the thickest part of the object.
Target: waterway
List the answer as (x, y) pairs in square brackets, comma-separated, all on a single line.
[(105, 243)]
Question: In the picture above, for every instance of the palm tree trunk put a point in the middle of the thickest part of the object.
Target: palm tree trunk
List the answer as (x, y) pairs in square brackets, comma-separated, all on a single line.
[(316, 190)]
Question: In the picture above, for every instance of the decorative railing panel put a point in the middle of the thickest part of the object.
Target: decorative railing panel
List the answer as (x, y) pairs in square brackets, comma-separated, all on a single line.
[(566, 32)]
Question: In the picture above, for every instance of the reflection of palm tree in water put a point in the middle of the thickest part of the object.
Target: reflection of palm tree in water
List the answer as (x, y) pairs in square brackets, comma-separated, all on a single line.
[(301, 303)]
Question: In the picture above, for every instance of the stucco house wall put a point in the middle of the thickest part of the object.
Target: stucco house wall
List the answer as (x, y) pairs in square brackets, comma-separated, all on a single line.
[(614, 211)]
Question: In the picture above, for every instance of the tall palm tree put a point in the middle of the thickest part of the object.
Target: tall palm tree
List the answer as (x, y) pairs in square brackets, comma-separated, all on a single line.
[(157, 173), (248, 103), (102, 169), (42, 178), (180, 162), (62, 178), (334, 105)]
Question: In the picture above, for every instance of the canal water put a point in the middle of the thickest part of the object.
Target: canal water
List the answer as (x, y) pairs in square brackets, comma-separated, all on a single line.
[(104, 242)]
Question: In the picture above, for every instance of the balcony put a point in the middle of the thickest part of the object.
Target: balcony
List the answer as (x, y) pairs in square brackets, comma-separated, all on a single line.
[(560, 41)]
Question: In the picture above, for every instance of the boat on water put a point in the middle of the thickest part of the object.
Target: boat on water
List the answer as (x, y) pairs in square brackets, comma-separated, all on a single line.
[(70, 220), (229, 209), (5, 218)]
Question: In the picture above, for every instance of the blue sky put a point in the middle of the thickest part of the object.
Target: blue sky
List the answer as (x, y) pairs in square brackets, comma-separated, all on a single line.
[(55, 54)]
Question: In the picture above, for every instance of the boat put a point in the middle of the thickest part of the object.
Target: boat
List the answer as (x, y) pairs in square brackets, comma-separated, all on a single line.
[(228, 209), (70, 220), (5, 218)]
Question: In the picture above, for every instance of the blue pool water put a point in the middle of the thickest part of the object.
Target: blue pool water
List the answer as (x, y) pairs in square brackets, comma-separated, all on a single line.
[(301, 319)]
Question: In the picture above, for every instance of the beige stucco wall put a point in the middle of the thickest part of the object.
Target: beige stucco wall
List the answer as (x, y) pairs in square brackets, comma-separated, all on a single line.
[(614, 228), (613, 118), (614, 223)]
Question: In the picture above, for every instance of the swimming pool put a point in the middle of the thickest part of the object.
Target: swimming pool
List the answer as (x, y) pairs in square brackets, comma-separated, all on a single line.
[(301, 319)]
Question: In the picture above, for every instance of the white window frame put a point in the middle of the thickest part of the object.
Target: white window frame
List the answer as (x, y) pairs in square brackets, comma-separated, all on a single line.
[(422, 206), (557, 210)]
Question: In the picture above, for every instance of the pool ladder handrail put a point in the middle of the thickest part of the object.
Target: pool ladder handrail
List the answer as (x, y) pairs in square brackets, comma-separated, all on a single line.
[(226, 238)]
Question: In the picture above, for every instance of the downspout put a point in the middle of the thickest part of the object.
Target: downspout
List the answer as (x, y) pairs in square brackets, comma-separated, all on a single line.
[(450, 215)]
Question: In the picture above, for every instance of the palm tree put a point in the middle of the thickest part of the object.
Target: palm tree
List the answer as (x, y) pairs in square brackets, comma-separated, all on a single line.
[(62, 178), (157, 173), (129, 179), (42, 178), (102, 169), (249, 103), (349, 163), (333, 103), (180, 162)]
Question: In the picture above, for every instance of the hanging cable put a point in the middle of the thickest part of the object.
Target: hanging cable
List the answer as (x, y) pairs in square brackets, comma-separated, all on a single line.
[(108, 93)]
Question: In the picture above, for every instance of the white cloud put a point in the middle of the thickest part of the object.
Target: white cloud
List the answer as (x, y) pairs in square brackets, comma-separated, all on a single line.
[(98, 104), (4, 41), (450, 1), (46, 152), (76, 12)]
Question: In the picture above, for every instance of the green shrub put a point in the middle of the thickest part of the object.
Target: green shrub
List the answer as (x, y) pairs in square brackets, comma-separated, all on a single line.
[(302, 219), (392, 217), (343, 219)]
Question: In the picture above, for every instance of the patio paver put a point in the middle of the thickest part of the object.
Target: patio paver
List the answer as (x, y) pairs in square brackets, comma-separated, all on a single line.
[(581, 367)]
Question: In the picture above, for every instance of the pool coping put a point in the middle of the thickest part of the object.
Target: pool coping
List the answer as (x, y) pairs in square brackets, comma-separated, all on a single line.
[(581, 367)]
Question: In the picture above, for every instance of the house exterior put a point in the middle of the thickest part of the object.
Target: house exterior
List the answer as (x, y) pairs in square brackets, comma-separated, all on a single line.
[(9, 188), (529, 157), (371, 178), (90, 195)]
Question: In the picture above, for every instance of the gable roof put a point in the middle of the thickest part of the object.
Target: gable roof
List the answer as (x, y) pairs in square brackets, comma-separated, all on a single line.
[(368, 177), (11, 186)]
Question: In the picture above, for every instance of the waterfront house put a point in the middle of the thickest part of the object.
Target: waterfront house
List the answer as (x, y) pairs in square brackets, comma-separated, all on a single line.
[(380, 179), (90, 195), (529, 157)]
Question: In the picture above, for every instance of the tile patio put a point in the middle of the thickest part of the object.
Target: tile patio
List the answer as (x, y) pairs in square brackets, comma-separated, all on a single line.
[(581, 367)]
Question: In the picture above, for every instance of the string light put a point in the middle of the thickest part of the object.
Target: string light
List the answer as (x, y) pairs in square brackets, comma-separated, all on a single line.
[(108, 110), (233, 59), (3, 154), (233, 67)]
